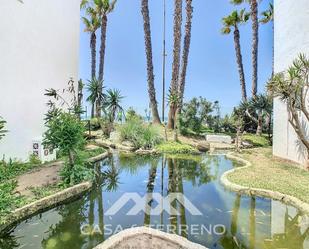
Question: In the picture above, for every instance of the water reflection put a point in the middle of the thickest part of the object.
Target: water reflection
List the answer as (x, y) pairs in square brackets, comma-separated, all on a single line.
[(250, 222)]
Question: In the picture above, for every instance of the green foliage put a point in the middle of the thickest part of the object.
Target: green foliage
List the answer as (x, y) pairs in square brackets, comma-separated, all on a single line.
[(8, 199), (257, 141), (228, 124), (79, 172), (11, 169), (140, 134), (112, 104), (91, 153), (64, 132), (95, 124), (176, 148), (2, 126), (195, 114), (233, 20), (132, 114), (43, 191)]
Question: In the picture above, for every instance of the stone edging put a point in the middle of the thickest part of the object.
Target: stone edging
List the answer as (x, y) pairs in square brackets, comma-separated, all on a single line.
[(287, 199), (50, 201), (45, 203), (139, 232)]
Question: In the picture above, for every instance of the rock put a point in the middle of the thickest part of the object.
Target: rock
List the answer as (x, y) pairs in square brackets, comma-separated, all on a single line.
[(246, 144), (203, 147), (127, 144), (219, 139), (114, 137), (145, 152)]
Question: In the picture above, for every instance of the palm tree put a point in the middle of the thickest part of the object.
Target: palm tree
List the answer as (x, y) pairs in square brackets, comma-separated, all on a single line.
[(268, 16), (262, 104), (95, 94), (185, 54), (176, 61), (150, 73), (102, 9), (233, 21), (255, 41), (112, 103), (91, 26), (2, 131)]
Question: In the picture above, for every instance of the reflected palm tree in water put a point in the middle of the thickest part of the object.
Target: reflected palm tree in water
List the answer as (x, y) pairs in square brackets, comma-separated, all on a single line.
[(110, 177), (229, 240), (150, 188)]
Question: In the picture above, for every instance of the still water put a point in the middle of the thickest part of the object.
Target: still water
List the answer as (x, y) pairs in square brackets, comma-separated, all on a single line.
[(226, 220)]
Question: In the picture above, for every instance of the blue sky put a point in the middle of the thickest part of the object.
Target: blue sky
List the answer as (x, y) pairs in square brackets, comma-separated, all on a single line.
[(212, 70)]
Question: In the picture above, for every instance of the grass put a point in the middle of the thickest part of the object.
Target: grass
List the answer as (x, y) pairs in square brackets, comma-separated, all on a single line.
[(272, 174), (175, 148), (41, 192), (257, 141), (92, 152)]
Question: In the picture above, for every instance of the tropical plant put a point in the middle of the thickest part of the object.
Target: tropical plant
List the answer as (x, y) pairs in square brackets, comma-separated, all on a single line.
[(112, 104), (2, 128), (150, 70), (80, 95), (92, 24), (233, 21), (176, 63), (262, 106), (185, 53), (255, 40), (95, 94), (292, 87)]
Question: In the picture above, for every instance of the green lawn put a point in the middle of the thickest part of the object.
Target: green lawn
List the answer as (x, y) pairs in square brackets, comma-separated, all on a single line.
[(272, 174)]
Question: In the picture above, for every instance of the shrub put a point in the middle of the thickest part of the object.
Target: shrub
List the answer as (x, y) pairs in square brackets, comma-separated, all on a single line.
[(140, 134), (8, 200), (95, 124), (176, 148), (79, 172)]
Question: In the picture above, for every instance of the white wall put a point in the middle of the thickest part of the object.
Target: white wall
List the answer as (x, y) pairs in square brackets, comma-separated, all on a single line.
[(291, 38), (39, 46)]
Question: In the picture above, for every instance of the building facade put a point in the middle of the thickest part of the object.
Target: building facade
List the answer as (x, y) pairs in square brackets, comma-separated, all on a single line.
[(290, 39), (39, 48)]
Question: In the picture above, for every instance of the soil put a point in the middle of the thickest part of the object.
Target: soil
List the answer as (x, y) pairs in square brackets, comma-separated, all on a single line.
[(48, 175)]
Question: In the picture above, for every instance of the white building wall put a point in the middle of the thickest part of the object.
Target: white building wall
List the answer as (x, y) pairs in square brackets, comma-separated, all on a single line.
[(39, 46), (291, 38)]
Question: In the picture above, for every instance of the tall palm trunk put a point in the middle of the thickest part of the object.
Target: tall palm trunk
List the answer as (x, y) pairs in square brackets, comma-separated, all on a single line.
[(255, 45), (176, 62), (185, 54), (102, 60), (240, 64), (150, 73), (93, 42), (92, 110)]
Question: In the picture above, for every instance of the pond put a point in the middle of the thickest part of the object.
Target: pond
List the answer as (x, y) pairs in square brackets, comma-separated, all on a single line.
[(127, 194)]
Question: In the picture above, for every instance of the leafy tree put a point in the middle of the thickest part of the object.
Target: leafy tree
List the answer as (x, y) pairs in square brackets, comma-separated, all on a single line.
[(232, 22), (95, 94), (66, 133), (2, 128), (254, 6), (292, 87), (150, 71), (194, 114), (112, 103)]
